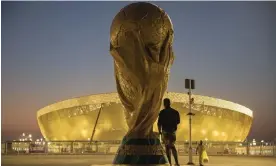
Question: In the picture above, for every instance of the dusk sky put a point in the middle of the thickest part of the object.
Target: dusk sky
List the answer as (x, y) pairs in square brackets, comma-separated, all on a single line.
[(52, 51)]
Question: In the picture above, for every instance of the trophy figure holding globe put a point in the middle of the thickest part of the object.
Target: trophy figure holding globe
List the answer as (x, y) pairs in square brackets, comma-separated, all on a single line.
[(141, 38)]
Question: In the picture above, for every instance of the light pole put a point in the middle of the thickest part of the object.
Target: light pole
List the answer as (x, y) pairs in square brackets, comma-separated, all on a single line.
[(190, 84), (262, 144)]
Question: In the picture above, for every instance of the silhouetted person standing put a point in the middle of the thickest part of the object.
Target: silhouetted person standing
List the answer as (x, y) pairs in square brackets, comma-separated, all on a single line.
[(167, 125), (200, 149)]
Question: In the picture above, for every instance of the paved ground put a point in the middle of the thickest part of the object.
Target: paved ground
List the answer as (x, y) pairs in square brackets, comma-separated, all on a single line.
[(105, 160)]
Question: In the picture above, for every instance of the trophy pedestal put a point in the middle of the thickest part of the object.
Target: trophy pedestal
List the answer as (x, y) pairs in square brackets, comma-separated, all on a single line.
[(142, 151)]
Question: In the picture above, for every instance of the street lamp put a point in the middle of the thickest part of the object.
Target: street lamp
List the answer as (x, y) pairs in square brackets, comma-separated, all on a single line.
[(190, 84)]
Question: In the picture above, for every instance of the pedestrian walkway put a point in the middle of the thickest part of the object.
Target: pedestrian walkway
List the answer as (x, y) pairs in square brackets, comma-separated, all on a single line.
[(106, 160)]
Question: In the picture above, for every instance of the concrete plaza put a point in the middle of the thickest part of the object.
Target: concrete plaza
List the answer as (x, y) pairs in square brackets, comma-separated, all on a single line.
[(89, 160)]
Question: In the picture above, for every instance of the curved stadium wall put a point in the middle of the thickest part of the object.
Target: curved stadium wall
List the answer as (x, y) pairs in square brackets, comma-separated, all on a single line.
[(74, 119)]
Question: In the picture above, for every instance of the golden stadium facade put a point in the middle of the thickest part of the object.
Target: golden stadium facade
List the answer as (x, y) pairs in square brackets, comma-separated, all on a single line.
[(74, 119)]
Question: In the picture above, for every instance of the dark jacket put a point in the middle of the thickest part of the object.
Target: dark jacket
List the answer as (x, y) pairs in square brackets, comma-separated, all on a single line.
[(168, 119)]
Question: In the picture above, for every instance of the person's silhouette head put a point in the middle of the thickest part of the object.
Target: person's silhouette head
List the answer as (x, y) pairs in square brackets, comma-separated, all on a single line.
[(200, 142), (167, 103)]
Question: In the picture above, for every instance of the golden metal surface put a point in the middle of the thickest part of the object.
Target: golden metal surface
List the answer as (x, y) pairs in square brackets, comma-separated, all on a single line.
[(141, 37), (74, 119), (95, 101)]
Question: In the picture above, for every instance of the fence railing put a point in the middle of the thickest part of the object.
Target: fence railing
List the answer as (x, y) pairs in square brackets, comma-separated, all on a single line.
[(110, 147)]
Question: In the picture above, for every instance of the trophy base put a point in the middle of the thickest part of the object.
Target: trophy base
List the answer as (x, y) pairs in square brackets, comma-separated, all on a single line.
[(190, 163), (142, 151)]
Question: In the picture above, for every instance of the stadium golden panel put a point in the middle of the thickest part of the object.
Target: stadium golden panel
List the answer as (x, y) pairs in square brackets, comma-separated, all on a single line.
[(74, 119)]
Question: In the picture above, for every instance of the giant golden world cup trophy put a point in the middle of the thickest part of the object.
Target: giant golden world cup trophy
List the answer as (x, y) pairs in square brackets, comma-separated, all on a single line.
[(141, 45)]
